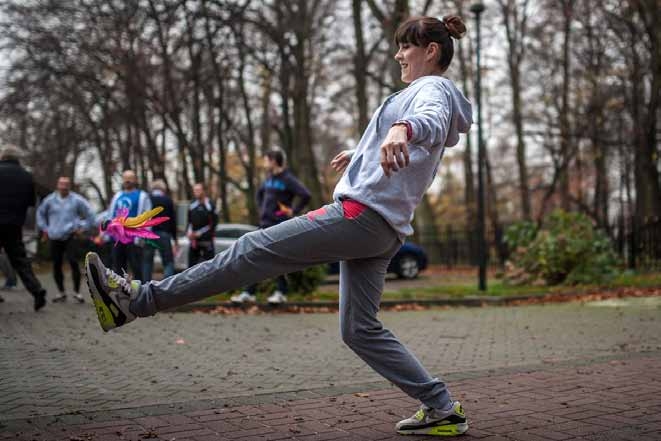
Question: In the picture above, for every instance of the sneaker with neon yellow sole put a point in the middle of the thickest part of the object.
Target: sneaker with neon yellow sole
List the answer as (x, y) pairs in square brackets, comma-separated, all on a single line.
[(111, 293), (428, 421)]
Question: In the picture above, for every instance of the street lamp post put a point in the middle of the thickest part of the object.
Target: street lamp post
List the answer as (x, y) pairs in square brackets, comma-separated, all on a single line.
[(477, 9)]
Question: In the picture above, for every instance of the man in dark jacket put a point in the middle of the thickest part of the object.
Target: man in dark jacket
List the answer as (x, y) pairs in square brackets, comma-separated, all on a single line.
[(275, 200), (167, 232), (16, 195), (202, 220)]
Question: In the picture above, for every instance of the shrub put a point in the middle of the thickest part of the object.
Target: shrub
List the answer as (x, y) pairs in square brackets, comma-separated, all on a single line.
[(566, 249), (302, 282), (306, 281)]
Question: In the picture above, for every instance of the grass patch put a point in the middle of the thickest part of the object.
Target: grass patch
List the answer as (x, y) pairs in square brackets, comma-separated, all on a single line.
[(495, 287)]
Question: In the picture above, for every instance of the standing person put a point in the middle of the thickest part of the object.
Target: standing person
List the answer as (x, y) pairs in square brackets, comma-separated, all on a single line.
[(16, 195), (167, 232), (384, 180), (62, 217), (136, 202), (202, 220), (275, 201)]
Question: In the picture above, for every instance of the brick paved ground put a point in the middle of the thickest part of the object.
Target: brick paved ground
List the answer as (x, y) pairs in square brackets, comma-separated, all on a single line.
[(603, 401), (57, 366)]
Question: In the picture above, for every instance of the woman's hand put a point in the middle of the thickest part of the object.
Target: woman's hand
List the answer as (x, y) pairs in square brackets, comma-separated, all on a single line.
[(394, 152), (340, 162)]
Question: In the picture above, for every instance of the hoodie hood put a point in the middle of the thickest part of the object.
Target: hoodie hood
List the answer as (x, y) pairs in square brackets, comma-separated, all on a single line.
[(462, 114)]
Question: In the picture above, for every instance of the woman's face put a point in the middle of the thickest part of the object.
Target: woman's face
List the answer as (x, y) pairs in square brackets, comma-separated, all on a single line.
[(415, 61)]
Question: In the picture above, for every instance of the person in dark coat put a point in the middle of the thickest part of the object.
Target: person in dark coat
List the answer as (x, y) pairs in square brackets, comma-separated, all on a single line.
[(202, 220), (16, 195), (167, 232)]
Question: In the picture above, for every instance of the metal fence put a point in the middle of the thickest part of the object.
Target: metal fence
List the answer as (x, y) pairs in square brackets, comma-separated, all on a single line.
[(638, 244), (459, 247), (641, 245)]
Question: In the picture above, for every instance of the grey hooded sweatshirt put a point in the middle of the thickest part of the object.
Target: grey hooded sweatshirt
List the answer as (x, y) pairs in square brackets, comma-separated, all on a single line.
[(437, 113)]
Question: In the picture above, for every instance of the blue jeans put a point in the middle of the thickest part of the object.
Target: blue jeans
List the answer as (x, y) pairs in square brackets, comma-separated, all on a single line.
[(165, 250)]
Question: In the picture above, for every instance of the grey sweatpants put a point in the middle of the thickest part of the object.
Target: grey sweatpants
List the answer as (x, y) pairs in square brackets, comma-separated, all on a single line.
[(364, 244)]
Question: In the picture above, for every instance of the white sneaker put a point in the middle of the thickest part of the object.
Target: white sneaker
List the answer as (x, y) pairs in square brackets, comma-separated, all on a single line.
[(428, 421), (79, 298), (60, 297), (277, 297), (244, 297)]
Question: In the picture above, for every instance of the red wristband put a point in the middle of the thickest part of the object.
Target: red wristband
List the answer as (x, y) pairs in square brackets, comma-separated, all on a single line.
[(409, 129)]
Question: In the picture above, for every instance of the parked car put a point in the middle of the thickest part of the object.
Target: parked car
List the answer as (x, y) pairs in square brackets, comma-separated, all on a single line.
[(407, 263), (226, 235)]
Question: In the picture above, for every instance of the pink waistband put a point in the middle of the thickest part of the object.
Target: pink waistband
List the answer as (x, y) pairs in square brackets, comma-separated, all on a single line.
[(352, 209)]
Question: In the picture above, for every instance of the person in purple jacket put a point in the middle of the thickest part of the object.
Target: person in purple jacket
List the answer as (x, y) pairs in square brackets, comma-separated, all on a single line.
[(384, 179), (280, 197)]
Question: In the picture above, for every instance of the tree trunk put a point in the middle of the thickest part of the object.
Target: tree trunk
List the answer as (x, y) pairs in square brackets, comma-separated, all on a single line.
[(565, 141), (360, 66)]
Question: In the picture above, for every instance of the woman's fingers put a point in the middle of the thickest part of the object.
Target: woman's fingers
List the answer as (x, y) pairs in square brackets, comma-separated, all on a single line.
[(340, 162), (405, 152), (394, 156), (388, 161), (384, 160)]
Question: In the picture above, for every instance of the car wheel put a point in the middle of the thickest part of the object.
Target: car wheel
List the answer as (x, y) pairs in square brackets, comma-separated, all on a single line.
[(408, 267)]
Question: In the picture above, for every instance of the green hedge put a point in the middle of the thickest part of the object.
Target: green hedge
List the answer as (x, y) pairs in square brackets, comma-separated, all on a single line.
[(566, 249)]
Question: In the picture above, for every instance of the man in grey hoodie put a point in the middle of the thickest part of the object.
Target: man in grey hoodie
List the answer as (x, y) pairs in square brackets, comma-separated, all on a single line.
[(63, 216), (385, 178)]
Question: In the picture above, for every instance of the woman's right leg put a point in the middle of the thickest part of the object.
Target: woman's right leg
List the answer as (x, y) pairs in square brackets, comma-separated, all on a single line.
[(361, 285), (322, 236)]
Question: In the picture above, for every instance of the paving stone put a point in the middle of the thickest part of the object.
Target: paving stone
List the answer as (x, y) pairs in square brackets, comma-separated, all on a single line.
[(554, 372)]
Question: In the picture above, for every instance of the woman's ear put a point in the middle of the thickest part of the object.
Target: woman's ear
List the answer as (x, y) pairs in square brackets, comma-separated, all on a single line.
[(433, 52)]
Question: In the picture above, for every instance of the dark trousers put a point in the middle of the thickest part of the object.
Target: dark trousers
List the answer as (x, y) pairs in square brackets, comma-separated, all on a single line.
[(58, 250), (125, 256), (167, 257), (11, 240), (7, 270), (200, 252)]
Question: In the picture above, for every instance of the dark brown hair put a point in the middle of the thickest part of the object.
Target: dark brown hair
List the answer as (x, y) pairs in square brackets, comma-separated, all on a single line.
[(277, 156), (420, 31)]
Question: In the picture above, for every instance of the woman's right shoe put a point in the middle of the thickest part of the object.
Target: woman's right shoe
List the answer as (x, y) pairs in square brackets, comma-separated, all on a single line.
[(111, 293)]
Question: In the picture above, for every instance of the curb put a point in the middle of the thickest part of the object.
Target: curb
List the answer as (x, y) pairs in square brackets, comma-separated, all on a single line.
[(468, 301)]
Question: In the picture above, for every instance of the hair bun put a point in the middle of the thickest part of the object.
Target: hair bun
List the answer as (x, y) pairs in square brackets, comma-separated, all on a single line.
[(455, 26)]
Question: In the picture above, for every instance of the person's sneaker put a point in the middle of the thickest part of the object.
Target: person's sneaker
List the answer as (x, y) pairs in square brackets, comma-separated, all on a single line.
[(111, 293), (79, 298), (244, 297), (40, 300), (60, 297), (427, 421), (276, 298)]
